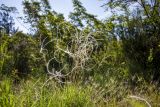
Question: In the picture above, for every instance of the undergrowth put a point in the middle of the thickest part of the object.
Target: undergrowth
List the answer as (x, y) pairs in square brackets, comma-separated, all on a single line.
[(44, 93)]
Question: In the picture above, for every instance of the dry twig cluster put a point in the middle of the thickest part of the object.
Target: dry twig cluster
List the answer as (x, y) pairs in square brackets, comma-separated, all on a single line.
[(80, 49)]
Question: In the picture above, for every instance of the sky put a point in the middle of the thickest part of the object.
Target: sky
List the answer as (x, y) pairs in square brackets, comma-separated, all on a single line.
[(60, 6)]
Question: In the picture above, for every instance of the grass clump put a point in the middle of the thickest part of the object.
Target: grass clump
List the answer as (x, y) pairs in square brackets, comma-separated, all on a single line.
[(33, 93), (39, 93)]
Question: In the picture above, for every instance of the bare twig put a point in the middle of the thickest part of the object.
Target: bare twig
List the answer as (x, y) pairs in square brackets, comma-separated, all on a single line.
[(79, 49)]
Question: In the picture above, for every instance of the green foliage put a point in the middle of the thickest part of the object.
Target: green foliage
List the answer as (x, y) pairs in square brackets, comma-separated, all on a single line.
[(19, 55), (6, 94), (35, 94), (106, 61), (4, 54), (80, 17), (23, 51), (72, 96), (7, 21), (139, 29), (43, 93)]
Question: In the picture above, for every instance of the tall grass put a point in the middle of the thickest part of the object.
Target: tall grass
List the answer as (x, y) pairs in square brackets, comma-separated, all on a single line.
[(33, 93), (39, 93)]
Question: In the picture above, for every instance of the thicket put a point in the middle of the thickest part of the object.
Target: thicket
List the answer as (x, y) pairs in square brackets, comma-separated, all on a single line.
[(108, 60)]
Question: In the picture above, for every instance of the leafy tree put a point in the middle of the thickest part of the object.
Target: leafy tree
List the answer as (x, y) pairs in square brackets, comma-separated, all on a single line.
[(81, 18), (51, 28), (139, 29), (6, 20), (19, 54)]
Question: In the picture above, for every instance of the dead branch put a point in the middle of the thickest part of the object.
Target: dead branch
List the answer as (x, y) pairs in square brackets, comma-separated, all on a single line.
[(80, 50)]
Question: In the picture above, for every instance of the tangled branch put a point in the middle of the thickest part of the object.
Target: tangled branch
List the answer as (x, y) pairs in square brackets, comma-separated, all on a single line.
[(79, 48)]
